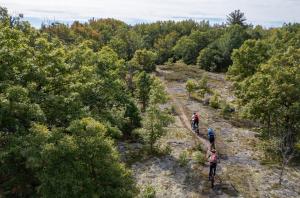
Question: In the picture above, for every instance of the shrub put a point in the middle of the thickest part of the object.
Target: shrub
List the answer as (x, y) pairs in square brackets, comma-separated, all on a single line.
[(271, 151), (183, 158), (170, 61), (226, 109), (199, 157), (190, 86), (214, 101), (114, 132), (148, 192), (167, 150), (197, 96), (203, 83), (173, 110)]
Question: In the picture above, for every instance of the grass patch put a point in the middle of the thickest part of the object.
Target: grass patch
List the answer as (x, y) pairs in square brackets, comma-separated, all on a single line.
[(183, 158), (199, 157), (276, 186), (181, 71), (214, 101), (226, 109), (198, 147), (229, 140), (148, 192), (136, 155), (173, 110), (165, 150), (174, 133), (197, 97), (236, 121), (244, 180)]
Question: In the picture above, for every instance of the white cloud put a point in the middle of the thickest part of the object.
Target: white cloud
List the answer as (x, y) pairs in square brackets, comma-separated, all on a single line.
[(256, 11)]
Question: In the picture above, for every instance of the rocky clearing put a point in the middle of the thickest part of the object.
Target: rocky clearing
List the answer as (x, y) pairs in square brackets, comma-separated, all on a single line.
[(240, 173)]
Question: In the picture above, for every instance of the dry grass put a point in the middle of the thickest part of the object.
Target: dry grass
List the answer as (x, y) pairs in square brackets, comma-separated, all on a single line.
[(245, 181), (181, 72)]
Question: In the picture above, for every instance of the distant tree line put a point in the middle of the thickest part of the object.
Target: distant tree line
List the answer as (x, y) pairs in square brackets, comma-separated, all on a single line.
[(199, 43)]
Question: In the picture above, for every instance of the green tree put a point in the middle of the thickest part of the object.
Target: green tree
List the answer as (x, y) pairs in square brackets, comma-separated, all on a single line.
[(132, 118), (191, 86), (143, 87), (247, 59), (164, 46), (203, 86), (46, 88), (236, 18), (271, 96), (186, 49), (155, 119), (209, 59), (145, 59), (217, 56), (17, 112), (88, 162)]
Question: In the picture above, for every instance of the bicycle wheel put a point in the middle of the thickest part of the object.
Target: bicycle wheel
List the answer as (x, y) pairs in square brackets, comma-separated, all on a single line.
[(212, 179)]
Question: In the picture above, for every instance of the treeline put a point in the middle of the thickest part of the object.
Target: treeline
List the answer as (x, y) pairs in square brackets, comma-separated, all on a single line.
[(194, 42), (64, 100)]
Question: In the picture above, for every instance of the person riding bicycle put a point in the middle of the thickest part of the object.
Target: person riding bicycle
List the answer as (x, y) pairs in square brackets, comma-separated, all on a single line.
[(211, 136), (195, 121), (213, 160)]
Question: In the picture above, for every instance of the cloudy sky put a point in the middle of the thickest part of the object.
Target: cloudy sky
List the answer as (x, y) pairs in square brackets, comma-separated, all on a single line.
[(265, 12)]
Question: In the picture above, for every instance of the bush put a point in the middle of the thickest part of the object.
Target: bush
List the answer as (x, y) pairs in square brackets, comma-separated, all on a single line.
[(199, 157), (203, 83), (209, 59), (191, 85), (145, 59), (148, 192), (173, 110), (214, 101), (202, 87), (183, 158), (167, 150), (271, 151), (114, 132), (197, 96), (170, 61), (226, 109)]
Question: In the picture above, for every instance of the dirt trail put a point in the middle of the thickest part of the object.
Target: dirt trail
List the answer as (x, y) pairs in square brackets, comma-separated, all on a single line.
[(186, 122)]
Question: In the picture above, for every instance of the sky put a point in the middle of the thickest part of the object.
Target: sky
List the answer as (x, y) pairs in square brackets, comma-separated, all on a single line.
[(269, 13)]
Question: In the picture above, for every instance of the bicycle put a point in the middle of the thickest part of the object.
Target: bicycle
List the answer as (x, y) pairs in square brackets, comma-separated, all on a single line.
[(214, 179), (212, 142), (212, 173), (195, 127), (212, 145)]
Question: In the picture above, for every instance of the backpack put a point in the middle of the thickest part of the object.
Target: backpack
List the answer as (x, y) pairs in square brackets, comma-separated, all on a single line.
[(196, 118), (213, 158), (211, 133)]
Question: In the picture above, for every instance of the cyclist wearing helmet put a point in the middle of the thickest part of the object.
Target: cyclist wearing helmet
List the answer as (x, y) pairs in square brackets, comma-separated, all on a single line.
[(195, 121), (211, 136), (213, 160)]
